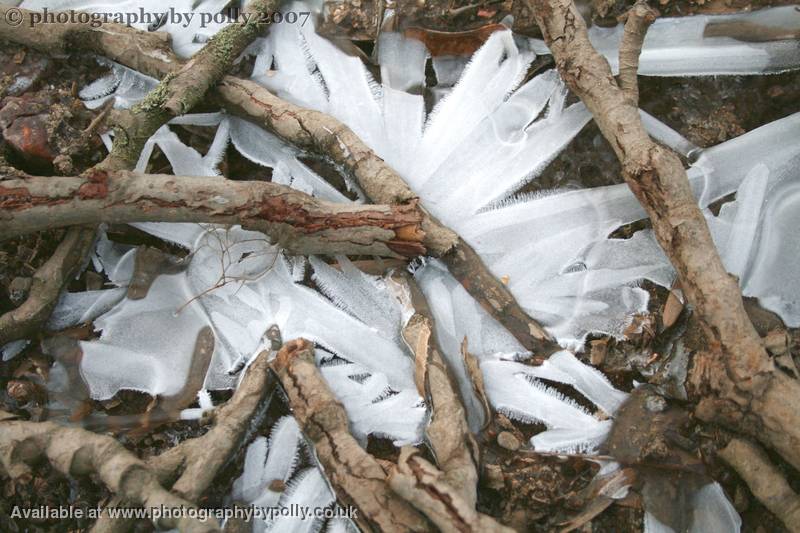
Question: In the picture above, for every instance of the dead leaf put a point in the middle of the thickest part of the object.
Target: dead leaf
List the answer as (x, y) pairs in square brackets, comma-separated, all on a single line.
[(455, 43)]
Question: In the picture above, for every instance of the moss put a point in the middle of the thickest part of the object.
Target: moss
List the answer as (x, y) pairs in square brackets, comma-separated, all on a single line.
[(157, 97)]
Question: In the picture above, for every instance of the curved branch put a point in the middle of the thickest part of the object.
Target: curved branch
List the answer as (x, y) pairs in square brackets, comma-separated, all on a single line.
[(77, 452), (357, 476), (197, 461), (454, 447), (323, 133), (48, 282), (425, 487)]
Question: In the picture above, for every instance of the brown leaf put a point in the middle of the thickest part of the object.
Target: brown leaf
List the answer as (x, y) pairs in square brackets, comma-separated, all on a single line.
[(455, 43)]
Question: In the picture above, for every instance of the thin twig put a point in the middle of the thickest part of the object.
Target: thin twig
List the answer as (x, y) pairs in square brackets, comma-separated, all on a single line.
[(638, 19)]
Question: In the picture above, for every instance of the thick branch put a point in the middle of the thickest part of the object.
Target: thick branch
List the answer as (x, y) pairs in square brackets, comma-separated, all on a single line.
[(421, 484), (149, 53), (322, 133), (48, 282), (767, 401), (298, 222), (197, 461), (764, 480), (639, 18), (453, 445), (77, 452), (356, 476)]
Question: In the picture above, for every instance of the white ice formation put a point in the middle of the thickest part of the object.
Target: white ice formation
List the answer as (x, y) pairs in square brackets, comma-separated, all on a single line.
[(488, 135)]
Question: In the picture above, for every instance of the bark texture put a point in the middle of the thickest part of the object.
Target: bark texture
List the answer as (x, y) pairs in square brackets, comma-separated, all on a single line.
[(744, 389), (181, 89), (196, 462), (639, 18), (298, 222), (765, 481), (322, 133), (149, 53), (422, 484), (357, 477), (76, 452), (315, 131), (454, 447)]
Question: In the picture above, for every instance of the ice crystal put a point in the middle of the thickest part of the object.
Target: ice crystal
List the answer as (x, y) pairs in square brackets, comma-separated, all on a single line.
[(711, 511), (760, 42), (274, 462), (239, 284), (518, 391)]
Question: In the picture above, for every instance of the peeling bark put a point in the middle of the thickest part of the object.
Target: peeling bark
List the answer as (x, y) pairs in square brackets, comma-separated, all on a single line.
[(298, 222), (357, 477), (322, 133), (453, 445)]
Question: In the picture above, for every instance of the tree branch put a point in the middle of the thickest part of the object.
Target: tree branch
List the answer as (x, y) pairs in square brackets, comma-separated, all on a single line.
[(423, 485), (322, 133), (196, 462), (639, 18), (765, 481), (48, 281), (452, 443), (357, 477), (751, 394), (77, 452), (180, 89), (298, 222), (149, 53)]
